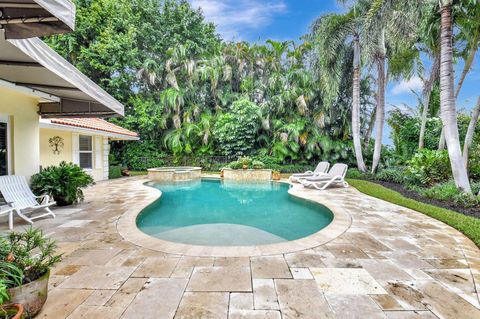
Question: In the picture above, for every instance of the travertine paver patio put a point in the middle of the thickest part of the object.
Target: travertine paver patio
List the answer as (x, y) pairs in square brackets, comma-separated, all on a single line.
[(391, 263)]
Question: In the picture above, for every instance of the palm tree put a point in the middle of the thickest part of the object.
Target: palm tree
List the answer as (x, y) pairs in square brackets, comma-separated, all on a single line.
[(447, 98), (393, 24), (469, 23), (332, 32), (470, 131)]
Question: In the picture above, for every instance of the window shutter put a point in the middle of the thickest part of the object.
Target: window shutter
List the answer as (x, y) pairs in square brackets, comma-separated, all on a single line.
[(75, 149), (98, 152)]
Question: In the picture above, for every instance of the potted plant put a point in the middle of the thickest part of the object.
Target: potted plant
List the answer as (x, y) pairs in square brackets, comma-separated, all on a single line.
[(10, 275), (245, 162), (25, 260), (64, 182), (276, 175), (258, 165)]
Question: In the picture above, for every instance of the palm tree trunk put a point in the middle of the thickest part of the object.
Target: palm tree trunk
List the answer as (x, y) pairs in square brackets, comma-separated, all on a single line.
[(427, 91), (441, 141), (468, 62), (447, 101), (357, 145), (380, 113), (470, 131), (371, 125)]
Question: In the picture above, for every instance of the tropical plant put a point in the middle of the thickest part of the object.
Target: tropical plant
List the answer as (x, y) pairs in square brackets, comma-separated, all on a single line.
[(64, 182), (26, 256), (235, 131), (428, 167)]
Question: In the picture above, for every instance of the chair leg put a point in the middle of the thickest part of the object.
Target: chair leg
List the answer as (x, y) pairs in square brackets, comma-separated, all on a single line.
[(10, 220), (19, 213), (50, 211)]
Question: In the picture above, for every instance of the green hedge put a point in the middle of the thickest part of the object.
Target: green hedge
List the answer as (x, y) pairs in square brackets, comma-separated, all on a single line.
[(470, 226), (114, 172)]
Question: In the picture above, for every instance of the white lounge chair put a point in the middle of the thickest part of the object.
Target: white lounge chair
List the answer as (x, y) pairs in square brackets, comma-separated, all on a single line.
[(321, 169), (336, 175), (18, 195)]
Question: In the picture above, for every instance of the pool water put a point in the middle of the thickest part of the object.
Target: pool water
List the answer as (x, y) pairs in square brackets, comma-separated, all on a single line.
[(212, 212)]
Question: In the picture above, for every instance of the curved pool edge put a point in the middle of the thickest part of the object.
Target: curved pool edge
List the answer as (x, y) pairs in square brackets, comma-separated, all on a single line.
[(128, 230)]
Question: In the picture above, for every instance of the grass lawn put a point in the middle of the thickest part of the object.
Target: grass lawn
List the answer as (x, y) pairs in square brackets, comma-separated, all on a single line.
[(470, 226)]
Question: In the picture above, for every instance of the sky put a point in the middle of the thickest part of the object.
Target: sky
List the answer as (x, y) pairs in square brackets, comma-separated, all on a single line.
[(259, 20)]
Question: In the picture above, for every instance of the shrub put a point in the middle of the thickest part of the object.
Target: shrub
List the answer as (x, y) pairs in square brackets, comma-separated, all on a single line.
[(474, 163), (449, 192), (428, 167), (257, 164), (114, 172), (235, 165), (26, 256), (354, 173), (236, 130), (393, 175), (64, 182)]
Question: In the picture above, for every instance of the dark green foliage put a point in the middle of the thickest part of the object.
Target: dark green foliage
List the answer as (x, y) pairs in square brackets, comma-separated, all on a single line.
[(428, 167), (140, 155), (449, 192), (393, 175), (470, 226), (64, 182), (354, 173), (258, 164), (29, 255), (114, 172), (235, 131)]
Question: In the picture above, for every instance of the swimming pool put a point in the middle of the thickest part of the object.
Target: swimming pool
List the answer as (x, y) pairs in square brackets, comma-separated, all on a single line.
[(212, 212)]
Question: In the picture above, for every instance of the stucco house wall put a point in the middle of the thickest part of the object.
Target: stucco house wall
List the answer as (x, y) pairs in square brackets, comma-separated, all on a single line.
[(19, 110)]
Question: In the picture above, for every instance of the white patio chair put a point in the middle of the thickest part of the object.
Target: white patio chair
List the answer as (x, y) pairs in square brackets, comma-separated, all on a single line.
[(18, 195), (321, 169), (336, 175)]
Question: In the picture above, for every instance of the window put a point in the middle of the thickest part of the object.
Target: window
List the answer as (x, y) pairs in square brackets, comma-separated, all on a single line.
[(85, 151)]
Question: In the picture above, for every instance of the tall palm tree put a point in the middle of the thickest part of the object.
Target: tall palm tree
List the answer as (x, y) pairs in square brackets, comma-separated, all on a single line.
[(470, 131), (469, 21), (389, 23), (447, 98), (332, 32)]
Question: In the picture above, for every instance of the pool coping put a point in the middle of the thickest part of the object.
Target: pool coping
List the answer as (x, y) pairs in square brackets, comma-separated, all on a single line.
[(127, 228)]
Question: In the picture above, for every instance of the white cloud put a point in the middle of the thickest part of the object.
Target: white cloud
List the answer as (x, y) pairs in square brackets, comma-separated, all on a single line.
[(233, 16), (407, 86)]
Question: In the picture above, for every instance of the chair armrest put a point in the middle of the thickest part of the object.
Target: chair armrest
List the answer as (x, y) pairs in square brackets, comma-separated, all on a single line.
[(308, 172), (44, 199)]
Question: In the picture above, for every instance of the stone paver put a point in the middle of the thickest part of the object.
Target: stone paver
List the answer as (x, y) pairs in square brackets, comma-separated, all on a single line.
[(390, 263), (205, 305), (159, 298), (220, 279), (346, 281)]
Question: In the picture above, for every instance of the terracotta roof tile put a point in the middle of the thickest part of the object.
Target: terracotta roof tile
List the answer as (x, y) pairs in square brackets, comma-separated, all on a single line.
[(94, 124)]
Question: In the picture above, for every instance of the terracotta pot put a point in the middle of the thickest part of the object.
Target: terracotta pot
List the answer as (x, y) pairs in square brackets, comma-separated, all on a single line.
[(32, 295), (13, 311), (276, 176), (221, 173)]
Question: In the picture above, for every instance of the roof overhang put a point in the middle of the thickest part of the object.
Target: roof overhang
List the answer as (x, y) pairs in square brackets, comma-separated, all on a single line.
[(47, 124), (23, 19), (33, 64)]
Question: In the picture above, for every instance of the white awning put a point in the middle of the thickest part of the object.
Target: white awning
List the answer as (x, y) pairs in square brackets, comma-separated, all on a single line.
[(32, 63), (35, 18)]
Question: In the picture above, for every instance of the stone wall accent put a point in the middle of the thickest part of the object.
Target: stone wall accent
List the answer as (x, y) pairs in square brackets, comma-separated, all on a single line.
[(247, 174), (169, 174)]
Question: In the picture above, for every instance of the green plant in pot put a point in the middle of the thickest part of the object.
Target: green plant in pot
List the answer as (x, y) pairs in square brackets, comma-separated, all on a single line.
[(64, 182), (25, 262), (10, 276), (246, 161)]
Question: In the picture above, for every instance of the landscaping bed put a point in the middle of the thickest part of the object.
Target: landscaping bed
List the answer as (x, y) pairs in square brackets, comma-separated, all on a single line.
[(468, 211)]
